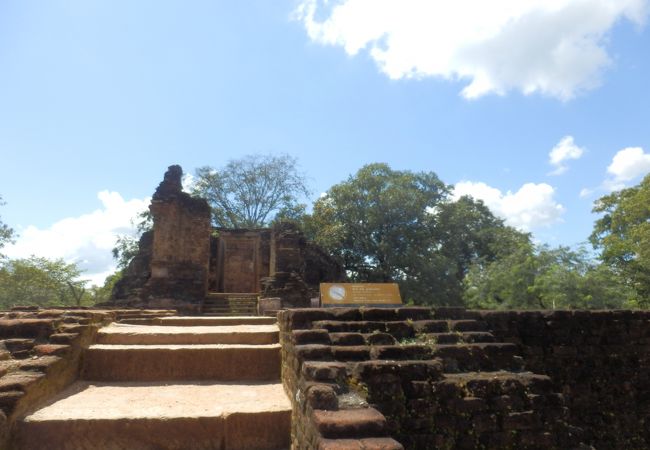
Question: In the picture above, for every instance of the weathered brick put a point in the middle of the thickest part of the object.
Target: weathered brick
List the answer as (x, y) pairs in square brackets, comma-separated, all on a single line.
[(350, 423)]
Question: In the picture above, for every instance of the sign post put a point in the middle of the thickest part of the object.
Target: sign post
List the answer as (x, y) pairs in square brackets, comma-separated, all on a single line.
[(360, 294)]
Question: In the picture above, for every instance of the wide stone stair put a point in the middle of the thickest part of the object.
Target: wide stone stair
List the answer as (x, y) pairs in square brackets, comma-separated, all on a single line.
[(223, 304), (181, 383)]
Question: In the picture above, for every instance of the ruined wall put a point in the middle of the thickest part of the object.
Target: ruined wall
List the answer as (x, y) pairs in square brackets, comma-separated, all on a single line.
[(137, 273), (456, 379), (171, 268), (599, 360), (183, 258), (181, 242), (297, 268)]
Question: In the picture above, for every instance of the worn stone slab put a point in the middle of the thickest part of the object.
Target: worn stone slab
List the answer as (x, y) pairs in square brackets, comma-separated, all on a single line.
[(182, 362), (349, 423), (185, 321), (138, 416), (152, 334)]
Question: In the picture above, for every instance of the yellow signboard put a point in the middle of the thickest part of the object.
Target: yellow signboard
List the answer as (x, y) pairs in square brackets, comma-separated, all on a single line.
[(360, 294)]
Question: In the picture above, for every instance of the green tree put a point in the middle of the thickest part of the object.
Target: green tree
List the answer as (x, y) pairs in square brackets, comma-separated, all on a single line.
[(387, 225), (623, 236), (40, 281), (544, 278), (250, 192), (467, 232), (101, 294), (126, 245), (6, 233)]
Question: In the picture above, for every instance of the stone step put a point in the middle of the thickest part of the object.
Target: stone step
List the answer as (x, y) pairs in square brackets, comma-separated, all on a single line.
[(182, 362), (228, 312), (157, 334), (478, 357), (231, 303), (445, 326), (229, 308), (450, 313), (216, 321), (468, 337), (225, 313), (467, 325), (500, 383), (398, 329), (136, 416), (231, 300)]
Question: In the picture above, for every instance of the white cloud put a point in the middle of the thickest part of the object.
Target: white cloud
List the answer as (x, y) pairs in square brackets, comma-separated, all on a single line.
[(532, 206), (188, 181), (86, 239), (564, 151), (628, 164), (553, 47)]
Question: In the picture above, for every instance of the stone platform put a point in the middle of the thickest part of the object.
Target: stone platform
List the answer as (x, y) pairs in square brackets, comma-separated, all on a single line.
[(194, 415), (148, 387)]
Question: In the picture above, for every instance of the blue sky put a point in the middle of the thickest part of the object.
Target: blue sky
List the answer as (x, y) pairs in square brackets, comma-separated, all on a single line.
[(97, 98)]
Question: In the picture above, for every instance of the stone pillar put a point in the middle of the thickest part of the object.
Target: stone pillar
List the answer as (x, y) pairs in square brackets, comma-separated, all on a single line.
[(181, 245)]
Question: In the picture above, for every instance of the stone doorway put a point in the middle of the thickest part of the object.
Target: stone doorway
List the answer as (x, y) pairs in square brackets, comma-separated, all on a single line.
[(240, 262)]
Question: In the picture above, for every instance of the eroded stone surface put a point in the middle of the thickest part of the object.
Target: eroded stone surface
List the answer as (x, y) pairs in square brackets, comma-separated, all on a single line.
[(151, 334), (182, 362), (217, 321), (171, 416)]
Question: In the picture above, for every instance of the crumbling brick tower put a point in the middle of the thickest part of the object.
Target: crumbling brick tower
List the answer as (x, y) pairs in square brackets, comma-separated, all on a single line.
[(176, 252)]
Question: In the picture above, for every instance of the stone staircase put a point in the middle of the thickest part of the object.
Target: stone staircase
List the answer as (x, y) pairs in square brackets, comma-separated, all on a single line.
[(183, 383), (223, 304), (481, 396)]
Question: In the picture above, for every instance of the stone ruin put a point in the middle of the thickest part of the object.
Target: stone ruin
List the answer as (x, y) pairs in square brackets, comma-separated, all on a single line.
[(408, 378), (183, 259)]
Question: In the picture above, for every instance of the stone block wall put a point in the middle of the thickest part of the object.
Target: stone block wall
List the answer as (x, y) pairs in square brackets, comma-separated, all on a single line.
[(180, 252), (417, 379), (598, 360)]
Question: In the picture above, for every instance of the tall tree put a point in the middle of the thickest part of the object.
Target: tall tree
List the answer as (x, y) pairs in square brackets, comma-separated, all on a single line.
[(39, 281), (388, 225), (6, 233), (250, 192), (545, 278), (623, 235)]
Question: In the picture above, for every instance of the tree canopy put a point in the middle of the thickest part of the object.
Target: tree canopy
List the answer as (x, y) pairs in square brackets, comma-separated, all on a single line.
[(544, 278), (40, 281), (623, 236), (6, 233), (250, 192), (389, 225)]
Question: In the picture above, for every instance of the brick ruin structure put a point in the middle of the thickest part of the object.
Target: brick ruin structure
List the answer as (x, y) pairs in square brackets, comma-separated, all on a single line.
[(186, 264), (409, 378), (449, 378), (395, 379)]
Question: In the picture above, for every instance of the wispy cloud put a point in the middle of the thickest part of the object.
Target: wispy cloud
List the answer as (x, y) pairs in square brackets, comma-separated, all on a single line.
[(585, 192), (552, 47)]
